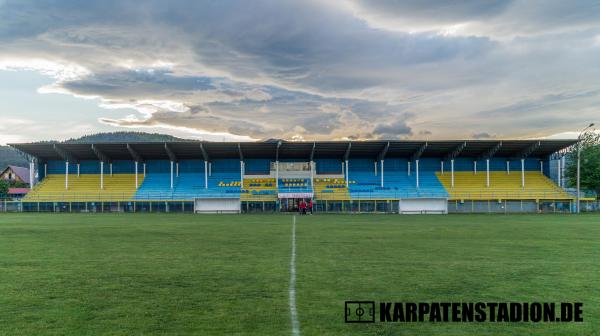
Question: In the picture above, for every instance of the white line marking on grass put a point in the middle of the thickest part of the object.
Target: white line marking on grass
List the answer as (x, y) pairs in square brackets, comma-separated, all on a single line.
[(292, 289)]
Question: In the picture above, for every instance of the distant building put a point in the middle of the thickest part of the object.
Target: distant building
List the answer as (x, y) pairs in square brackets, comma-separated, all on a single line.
[(14, 174)]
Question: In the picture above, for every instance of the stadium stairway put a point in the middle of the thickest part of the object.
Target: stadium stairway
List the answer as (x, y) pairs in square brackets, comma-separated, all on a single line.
[(470, 186), (84, 188), (259, 190), (331, 189)]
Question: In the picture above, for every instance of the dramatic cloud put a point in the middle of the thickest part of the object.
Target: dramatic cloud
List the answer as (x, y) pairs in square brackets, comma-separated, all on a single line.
[(395, 130), (496, 18), (482, 135), (351, 69)]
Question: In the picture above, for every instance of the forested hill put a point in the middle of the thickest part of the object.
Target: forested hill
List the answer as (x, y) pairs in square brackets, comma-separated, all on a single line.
[(125, 137), (10, 156)]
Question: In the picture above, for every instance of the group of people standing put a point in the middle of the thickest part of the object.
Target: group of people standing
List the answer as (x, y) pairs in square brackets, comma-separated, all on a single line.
[(304, 207)]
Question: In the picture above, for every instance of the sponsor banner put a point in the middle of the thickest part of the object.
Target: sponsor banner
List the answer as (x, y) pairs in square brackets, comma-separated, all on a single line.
[(295, 195)]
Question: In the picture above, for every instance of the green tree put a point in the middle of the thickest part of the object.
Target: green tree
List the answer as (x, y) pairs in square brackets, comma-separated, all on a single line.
[(19, 185), (590, 163), (3, 188)]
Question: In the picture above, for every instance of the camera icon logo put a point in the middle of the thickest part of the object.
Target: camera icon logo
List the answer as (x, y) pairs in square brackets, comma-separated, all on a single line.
[(359, 312)]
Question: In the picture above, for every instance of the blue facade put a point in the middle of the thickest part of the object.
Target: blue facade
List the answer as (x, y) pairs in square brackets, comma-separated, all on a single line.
[(191, 166), (328, 166), (257, 166), (496, 164)]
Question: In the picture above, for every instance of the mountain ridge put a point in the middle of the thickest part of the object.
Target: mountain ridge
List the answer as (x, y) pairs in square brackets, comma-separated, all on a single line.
[(11, 156)]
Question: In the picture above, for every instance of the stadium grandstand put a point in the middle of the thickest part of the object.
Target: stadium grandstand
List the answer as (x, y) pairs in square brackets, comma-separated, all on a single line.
[(339, 176)]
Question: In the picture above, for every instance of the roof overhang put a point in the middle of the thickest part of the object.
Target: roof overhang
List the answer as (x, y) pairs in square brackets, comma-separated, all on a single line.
[(197, 150)]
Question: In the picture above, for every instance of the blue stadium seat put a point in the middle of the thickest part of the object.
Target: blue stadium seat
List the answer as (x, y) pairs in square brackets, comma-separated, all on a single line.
[(397, 182), (188, 186)]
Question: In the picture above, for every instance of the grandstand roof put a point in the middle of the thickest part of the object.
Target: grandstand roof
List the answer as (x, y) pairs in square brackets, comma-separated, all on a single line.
[(293, 150)]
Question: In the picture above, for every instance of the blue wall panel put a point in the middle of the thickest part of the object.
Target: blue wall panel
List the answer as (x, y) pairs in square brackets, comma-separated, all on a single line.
[(547, 167), (328, 166), (40, 170), (257, 166), (427, 164), (496, 164), (90, 167), (125, 167), (158, 166), (395, 164), (56, 167), (361, 165), (191, 166), (225, 165)]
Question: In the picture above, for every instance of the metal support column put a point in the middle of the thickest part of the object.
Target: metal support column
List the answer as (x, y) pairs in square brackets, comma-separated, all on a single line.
[(136, 175), (31, 174), (563, 164), (487, 173), (205, 174), (523, 173), (277, 174), (242, 173), (382, 173), (417, 172), (171, 175), (66, 175), (452, 173), (558, 173), (346, 174)]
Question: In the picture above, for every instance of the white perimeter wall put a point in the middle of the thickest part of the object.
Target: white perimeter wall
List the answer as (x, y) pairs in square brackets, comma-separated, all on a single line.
[(217, 205), (424, 205)]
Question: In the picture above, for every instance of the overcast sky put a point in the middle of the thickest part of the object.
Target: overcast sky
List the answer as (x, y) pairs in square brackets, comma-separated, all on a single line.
[(345, 69)]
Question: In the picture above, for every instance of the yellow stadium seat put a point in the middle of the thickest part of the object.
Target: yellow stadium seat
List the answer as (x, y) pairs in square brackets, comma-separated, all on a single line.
[(503, 186), (260, 192), (86, 187), (337, 190)]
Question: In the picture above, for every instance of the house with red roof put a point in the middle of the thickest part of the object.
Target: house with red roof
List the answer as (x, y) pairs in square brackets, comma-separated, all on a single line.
[(16, 193)]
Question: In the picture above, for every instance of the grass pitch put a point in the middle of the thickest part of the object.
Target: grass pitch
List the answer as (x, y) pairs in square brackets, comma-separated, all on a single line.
[(134, 274)]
